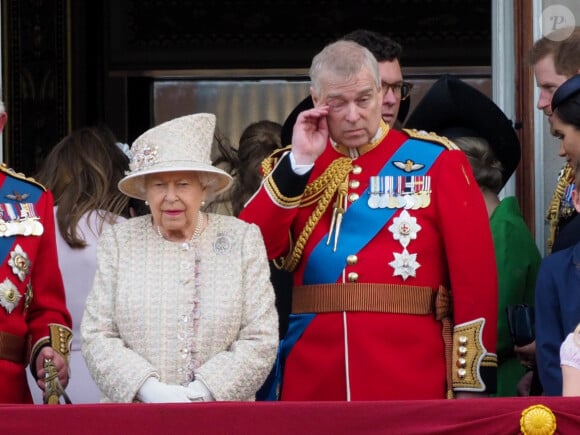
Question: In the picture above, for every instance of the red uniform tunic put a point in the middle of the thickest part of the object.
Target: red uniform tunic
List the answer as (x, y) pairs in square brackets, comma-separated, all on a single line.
[(31, 289), (375, 355)]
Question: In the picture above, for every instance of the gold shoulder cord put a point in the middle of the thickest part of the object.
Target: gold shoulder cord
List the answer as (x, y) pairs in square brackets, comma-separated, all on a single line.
[(321, 191), (269, 162), (553, 211), (431, 137), (11, 172)]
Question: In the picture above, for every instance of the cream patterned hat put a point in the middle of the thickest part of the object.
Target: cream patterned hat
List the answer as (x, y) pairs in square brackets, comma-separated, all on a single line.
[(182, 144)]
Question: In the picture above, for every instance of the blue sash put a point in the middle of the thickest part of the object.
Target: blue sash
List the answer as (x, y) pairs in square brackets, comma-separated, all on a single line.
[(10, 186), (361, 223), (297, 325)]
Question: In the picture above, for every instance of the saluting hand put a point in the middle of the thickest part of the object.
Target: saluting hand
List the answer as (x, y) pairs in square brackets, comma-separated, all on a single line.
[(310, 135)]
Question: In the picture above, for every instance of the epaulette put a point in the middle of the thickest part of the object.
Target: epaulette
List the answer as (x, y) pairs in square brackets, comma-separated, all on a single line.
[(19, 175), (270, 162), (431, 137)]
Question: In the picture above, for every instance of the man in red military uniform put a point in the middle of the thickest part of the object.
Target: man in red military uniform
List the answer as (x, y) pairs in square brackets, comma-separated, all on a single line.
[(34, 321), (395, 282)]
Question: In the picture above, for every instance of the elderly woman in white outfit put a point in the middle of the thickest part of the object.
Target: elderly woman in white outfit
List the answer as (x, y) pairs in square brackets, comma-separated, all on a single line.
[(182, 308)]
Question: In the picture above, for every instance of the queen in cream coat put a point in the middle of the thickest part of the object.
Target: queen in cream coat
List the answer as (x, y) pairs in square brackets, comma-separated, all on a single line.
[(181, 308), (158, 310)]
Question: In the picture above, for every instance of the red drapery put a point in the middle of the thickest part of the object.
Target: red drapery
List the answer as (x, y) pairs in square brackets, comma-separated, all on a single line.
[(496, 416)]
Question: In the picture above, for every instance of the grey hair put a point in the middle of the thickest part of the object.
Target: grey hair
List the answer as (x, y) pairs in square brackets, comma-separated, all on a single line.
[(209, 183), (344, 59)]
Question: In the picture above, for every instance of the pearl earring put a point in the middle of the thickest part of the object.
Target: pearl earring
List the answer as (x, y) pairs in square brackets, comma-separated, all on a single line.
[(146, 202), (203, 202)]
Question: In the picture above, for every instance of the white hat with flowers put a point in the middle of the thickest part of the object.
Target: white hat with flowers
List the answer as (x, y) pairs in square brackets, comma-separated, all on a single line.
[(181, 144)]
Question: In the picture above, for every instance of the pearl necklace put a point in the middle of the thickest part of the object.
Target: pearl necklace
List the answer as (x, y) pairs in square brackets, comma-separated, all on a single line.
[(196, 232)]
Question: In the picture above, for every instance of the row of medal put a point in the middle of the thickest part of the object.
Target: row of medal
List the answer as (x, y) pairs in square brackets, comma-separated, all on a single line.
[(566, 204), (19, 219), (410, 192)]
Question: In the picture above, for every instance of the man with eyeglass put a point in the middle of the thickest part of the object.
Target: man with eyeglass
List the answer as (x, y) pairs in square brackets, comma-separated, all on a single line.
[(373, 223), (396, 91)]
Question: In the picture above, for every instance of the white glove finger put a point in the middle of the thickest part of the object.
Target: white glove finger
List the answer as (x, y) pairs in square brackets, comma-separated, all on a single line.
[(177, 394), (197, 391)]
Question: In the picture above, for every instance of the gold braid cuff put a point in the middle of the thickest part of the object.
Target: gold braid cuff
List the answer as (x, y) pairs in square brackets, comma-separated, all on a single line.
[(320, 191), (267, 166), (469, 356), (278, 197), (59, 339), (553, 212)]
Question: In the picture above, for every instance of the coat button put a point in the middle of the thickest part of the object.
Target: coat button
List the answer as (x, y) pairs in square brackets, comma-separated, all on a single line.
[(353, 277), (351, 260), (352, 197), (354, 184), (356, 169)]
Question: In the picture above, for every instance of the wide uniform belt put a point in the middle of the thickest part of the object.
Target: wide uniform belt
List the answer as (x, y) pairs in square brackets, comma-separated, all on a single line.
[(366, 297), (12, 347)]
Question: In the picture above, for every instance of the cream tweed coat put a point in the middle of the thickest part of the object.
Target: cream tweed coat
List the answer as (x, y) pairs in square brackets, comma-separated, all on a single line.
[(156, 309)]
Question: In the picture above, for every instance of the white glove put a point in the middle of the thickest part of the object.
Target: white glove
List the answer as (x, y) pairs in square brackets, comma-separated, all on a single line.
[(153, 391), (197, 391)]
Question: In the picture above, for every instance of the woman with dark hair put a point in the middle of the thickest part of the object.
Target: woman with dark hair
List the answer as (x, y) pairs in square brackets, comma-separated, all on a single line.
[(565, 119), (82, 171), (258, 140), (557, 298)]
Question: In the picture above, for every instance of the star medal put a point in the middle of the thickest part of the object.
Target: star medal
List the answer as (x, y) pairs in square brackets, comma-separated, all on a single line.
[(19, 262), (9, 296), (405, 228), (405, 264)]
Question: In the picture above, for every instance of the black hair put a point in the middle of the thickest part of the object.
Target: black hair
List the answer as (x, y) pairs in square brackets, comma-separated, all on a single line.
[(381, 46)]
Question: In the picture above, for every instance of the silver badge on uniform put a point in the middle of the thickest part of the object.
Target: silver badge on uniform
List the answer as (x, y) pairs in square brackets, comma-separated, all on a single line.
[(19, 262), (405, 228), (405, 264), (9, 296)]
